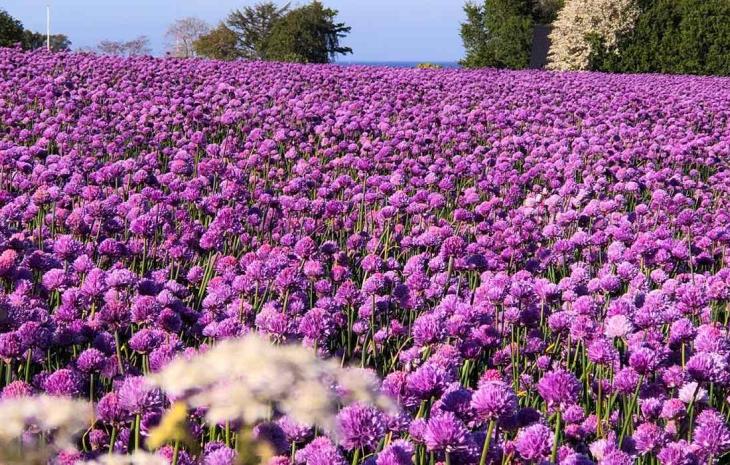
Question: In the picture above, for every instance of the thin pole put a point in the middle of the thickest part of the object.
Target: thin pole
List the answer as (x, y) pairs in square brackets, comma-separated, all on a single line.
[(48, 27)]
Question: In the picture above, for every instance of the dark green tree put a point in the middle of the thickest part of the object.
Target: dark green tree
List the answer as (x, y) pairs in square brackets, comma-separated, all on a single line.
[(308, 34), (33, 40), (498, 33), (11, 30), (545, 11), (252, 26), (221, 44), (672, 36)]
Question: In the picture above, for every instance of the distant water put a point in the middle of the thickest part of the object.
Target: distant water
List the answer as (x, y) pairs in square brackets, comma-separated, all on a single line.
[(398, 64)]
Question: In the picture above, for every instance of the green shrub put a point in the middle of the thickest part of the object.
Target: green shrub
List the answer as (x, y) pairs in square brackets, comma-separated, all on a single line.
[(673, 36), (497, 34)]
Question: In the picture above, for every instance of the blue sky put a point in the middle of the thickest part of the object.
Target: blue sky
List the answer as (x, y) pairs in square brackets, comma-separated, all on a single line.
[(382, 30)]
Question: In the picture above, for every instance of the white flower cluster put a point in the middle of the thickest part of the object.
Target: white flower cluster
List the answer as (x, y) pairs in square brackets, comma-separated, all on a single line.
[(607, 19), (43, 414), (53, 423), (136, 458), (249, 378)]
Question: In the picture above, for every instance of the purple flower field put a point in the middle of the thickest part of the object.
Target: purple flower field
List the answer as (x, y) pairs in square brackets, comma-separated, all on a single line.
[(533, 265)]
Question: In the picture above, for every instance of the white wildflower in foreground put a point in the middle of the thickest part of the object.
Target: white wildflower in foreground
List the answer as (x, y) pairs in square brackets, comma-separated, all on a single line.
[(137, 458), (249, 378), (64, 417)]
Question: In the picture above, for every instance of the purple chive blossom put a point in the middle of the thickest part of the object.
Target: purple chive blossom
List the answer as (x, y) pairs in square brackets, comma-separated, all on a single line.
[(444, 432), (360, 426), (399, 452), (534, 442), (64, 382), (320, 451), (559, 388), (218, 454), (712, 433), (136, 397), (493, 400)]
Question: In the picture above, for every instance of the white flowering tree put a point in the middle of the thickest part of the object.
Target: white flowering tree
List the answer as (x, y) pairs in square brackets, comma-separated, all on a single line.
[(606, 20)]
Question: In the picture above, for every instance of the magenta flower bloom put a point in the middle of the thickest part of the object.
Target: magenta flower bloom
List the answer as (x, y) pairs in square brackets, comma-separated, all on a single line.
[(361, 426), (559, 388), (534, 442), (444, 433), (320, 451), (493, 400), (64, 382), (711, 434)]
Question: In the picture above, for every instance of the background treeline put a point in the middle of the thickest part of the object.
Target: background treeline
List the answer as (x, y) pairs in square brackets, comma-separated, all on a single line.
[(13, 33), (665, 36), (266, 31)]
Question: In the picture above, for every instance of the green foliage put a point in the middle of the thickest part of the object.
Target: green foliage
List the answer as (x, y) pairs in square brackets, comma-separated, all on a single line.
[(34, 40), (498, 34), (545, 11), (308, 34), (11, 30), (221, 44), (252, 26), (673, 36)]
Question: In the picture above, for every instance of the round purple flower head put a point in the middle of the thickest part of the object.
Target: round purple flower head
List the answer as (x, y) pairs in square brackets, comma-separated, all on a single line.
[(444, 432), (320, 451), (399, 452), (90, 361), (295, 432), (216, 453), (16, 389), (494, 399), (648, 438), (64, 382), (677, 453), (534, 442), (108, 409), (712, 434), (136, 397), (559, 388), (573, 458), (360, 426), (617, 457), (428, 380)]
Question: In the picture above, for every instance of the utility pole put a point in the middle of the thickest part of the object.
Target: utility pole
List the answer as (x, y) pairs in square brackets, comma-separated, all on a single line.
[(48, 27)]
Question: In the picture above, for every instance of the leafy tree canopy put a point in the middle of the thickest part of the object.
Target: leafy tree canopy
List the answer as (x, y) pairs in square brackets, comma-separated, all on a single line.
[(498, 33), (672, 36), (221, 43), (34, 40), (308, 34), (252, 26), (11, 30)]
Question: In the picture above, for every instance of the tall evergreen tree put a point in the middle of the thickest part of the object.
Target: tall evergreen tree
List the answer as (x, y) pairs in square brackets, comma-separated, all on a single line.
[(308, 34), (11, 30), (498, 34), (252, 26)]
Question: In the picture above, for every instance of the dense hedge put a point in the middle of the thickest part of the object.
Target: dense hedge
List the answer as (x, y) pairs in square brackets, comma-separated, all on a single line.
[(673, 36), (497, 34)]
